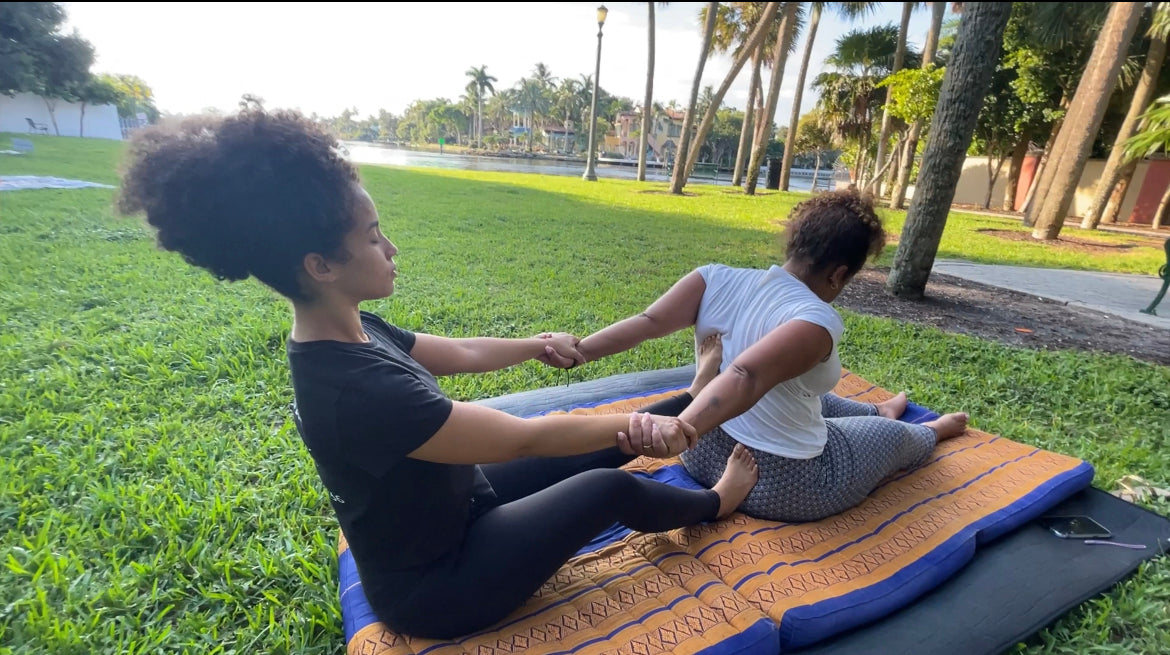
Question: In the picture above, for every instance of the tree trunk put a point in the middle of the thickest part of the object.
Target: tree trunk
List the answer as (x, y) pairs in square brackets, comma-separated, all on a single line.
[(992, 176), (790, 139), (1085, 114), (1161, 210), (875, 182), (968, 77), (1045, 156), (746, 132), (1017, 163), (51, 105), (898, 195), (758, 35), (648, 102), (1113, 208), (1142, 96), (816, 172), (899, 57), (787, 29), (892, 175), (81, 127), (678, 178)]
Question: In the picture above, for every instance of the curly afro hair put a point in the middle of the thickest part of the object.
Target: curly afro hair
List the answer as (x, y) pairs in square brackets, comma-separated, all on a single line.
[(834, 229), (250, 194)]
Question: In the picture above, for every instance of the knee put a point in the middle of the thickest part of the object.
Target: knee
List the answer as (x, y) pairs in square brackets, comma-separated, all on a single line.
[(614, 484)]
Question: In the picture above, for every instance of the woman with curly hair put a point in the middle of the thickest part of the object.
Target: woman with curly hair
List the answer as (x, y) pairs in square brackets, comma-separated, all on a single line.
[(818, 454), (455, 513)]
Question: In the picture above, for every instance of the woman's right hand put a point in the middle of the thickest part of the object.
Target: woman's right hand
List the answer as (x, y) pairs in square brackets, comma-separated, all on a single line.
[(657, 436)]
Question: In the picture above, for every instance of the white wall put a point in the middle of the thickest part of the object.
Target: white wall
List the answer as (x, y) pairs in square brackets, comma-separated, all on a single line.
[(972, 187), (101, 121)]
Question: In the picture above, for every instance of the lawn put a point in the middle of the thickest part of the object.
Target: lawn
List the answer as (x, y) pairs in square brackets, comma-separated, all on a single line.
[(155, 497)]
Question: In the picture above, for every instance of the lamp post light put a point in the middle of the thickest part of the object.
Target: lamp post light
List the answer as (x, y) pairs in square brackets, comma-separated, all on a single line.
[(591, 160)]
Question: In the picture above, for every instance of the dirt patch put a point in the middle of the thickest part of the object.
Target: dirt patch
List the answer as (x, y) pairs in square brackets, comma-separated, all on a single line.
[(1063, 243), (660, 192), (956, 305)]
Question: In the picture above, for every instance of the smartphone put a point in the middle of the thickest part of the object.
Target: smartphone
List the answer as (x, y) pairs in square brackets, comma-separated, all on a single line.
[(1075, 527)]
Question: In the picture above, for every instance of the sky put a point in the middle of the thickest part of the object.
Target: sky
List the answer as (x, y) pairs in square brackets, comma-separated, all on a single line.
[(325, 57)]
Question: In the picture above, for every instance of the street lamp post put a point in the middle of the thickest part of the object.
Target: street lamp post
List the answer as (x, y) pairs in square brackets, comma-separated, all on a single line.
[(591, 160)]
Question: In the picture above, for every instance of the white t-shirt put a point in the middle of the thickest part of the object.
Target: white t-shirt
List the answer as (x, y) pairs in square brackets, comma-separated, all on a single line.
[(745, 304)]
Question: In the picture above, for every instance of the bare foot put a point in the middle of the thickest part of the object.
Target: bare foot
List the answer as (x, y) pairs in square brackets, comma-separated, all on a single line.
[(710, 357), (949, 425), (738, 479), (892, 408)]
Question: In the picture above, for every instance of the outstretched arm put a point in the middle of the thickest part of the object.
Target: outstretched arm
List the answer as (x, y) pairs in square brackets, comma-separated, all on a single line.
[(676, 309), (473, 434), (447, 356)]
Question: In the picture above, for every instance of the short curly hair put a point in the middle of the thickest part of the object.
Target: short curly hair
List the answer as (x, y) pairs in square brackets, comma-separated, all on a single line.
[(249, 194), (834, 229)]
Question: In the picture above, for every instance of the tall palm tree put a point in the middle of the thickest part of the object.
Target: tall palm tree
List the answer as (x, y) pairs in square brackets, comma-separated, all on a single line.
[(648, 102), (848, 11), (482, 81), (906, 164), (679, 177), (850, 99), (884, 133), (788, 21), (754, 25), (1142, 96), (533, 102), (1054, 194), (968, 77), (570, 105)]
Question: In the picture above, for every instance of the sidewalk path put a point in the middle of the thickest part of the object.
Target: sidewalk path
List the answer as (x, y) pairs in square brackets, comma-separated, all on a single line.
[(1117, 294)]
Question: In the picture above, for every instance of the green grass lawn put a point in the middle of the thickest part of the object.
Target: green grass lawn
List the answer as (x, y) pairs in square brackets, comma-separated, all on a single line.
[(155, 497)]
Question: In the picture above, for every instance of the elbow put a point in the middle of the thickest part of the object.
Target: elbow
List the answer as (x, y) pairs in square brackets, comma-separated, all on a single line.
[(744, 382)]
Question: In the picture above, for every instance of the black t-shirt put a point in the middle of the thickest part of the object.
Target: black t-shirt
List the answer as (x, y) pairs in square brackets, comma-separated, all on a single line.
[(360, 409)]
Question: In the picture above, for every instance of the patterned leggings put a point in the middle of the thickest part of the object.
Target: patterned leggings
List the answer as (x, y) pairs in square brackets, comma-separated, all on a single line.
[(861, 450)]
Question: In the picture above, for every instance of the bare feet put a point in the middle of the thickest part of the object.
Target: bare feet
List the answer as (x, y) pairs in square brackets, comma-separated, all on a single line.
[(738, 479), (892, 408), (949, 425), (710, 357)]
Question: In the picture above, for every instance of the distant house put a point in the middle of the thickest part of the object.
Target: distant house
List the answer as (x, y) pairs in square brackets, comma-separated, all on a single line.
[(662, 142), (560, 139)]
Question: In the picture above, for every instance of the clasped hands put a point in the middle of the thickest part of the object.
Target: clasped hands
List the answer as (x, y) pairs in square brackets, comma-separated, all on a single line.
[(648, 434)]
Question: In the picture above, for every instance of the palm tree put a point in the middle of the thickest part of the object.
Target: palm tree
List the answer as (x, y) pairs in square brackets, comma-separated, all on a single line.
[(482, 81), (679, 177), (899, 55), (648, 102), (906, 165), (753, 26), (1058, 184), (847, 10), (533, 102), (968, 76), (1062, 36), (788, 21), (850, 98), (1142, 96), (570, 104)]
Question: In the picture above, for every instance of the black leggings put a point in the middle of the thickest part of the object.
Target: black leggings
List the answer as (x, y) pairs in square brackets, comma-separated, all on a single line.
[(549, 509)]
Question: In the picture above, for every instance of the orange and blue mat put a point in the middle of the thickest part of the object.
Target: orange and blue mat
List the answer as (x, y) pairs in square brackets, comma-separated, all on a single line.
[(743, 585)]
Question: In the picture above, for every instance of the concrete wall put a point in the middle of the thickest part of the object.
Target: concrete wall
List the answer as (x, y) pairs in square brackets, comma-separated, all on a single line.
[(972, 188), (101, 121)]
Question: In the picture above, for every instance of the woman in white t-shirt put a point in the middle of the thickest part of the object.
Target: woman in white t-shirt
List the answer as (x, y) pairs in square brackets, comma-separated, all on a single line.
[(818, 454)]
